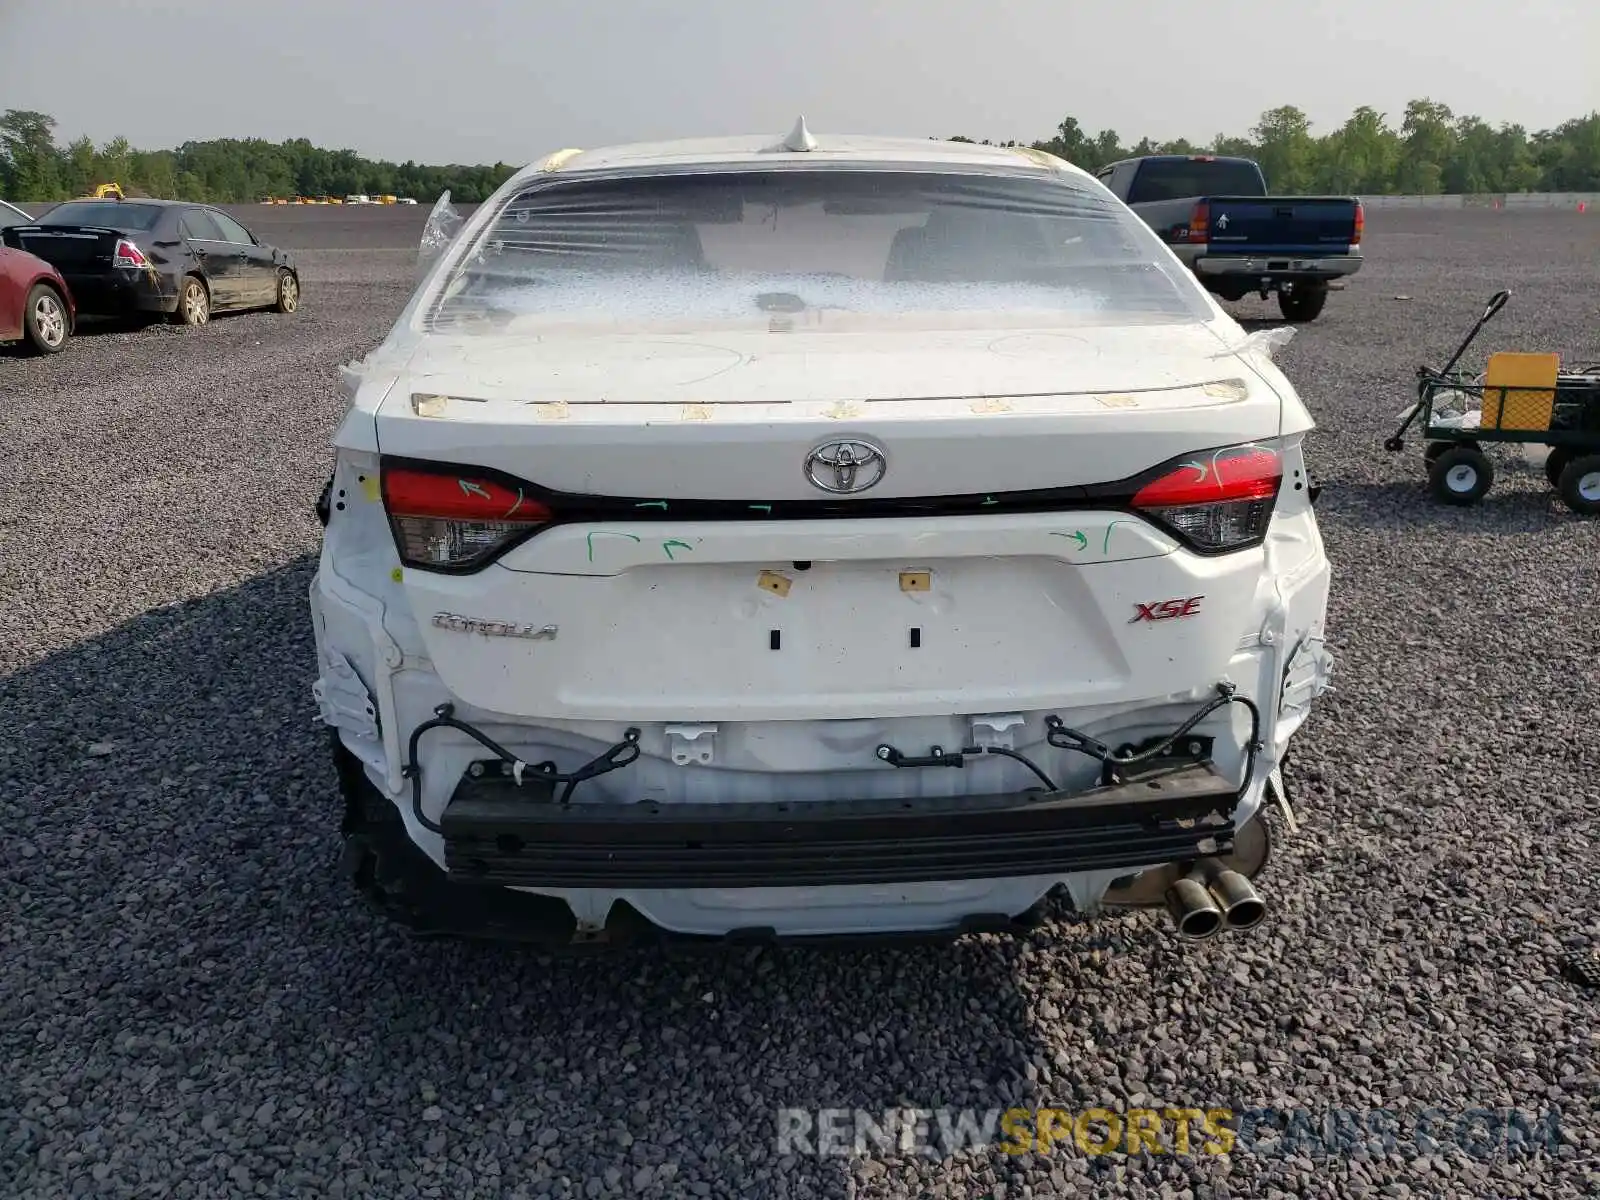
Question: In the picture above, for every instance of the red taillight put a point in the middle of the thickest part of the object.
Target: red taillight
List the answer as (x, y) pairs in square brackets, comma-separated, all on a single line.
[(1199, 223), (1361, 224), (455, 520), (128, 255), (1238, 473), (463, 496), (1218, 501)]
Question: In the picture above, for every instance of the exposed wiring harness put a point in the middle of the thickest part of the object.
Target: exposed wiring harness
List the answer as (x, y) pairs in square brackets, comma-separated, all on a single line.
[(625, 752), (939, 757), (618, 756), (1025, 761), (1064, 738), (1061, 737)]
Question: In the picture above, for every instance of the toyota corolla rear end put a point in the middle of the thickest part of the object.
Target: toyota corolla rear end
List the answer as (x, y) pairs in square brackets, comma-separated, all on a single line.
[(858, 539)]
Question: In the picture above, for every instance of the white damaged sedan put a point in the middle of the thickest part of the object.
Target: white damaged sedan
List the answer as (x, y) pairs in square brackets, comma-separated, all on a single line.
[(810, 536)]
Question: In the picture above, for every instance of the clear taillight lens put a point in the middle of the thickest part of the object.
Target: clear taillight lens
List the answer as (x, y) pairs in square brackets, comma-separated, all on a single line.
[(427, 541)]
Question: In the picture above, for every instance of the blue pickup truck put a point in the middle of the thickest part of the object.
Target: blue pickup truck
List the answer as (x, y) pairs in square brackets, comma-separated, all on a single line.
[(1215, 213)]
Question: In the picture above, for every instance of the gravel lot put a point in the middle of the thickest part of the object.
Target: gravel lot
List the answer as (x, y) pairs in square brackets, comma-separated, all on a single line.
[(193, 1003)]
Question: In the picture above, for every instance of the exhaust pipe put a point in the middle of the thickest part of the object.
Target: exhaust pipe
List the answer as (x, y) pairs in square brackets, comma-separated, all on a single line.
[(1211, 899), (1242, 906), (1193, 910)]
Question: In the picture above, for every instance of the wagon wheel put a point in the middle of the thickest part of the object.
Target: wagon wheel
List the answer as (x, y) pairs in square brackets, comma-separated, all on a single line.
[(1556, 463), (1433, 450), (1580, 484), (1462, 475)]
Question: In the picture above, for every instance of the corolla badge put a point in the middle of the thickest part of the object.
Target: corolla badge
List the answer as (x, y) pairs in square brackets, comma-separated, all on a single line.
[(514, 629), (846, 467)]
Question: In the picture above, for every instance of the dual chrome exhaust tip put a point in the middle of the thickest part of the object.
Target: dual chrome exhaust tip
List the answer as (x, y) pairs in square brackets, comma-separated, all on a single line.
[(1211, 899)]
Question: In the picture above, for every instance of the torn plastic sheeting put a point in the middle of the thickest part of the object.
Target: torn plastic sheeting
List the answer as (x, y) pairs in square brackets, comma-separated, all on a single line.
[(658, 295), (354, 373), (440, 229), (1263, 343), (351, 374), (736, 245)]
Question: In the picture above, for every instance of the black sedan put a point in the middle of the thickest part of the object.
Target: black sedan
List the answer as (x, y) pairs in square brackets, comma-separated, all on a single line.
[(122, 257)]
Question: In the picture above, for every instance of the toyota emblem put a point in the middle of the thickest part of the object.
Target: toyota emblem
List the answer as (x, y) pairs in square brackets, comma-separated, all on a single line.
[(846, 467)]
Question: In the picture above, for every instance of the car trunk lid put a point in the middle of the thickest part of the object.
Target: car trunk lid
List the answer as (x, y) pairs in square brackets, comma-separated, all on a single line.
[(733, 416), (71, 249)]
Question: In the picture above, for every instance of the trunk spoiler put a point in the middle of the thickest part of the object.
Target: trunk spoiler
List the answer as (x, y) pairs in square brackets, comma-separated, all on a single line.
[(12, 234), (69, 229)]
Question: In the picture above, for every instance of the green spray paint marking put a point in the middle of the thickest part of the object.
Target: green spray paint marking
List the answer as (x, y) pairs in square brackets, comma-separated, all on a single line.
[(1105, 548), (766, 508), (667, 546), (606, 533), (661, 504), (1077, 535)]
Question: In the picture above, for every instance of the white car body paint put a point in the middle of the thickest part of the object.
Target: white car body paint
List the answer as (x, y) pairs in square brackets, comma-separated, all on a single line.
[(666, 625)]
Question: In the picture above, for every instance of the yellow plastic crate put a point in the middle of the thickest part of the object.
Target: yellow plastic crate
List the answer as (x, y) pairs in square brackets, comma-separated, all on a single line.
[(1525, 411)]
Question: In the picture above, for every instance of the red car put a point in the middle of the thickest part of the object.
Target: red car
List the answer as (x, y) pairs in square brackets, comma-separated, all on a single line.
[(35, 303)]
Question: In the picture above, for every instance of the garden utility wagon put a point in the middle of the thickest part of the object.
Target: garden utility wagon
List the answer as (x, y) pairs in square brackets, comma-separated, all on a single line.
[(1521, 398)]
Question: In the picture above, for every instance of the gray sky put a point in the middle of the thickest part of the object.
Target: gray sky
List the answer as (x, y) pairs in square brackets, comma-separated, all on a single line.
[(481, 80)]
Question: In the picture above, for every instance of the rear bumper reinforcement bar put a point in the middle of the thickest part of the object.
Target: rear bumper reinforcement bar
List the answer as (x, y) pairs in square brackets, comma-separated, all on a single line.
[(496, 832)]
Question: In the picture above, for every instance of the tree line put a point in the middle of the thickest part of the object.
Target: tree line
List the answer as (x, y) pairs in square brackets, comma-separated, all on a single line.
[(224, 171), (1432, 150)]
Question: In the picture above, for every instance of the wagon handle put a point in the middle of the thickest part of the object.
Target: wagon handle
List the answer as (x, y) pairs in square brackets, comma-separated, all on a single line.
[(1427, 375), (1496, 303)]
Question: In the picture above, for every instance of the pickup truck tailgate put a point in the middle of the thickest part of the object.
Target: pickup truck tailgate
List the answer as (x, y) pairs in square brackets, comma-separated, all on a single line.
[(1282, 225)]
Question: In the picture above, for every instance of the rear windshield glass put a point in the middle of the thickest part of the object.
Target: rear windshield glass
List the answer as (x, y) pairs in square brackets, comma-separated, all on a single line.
[(112, 215), (814, 248), (1179, 178)]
